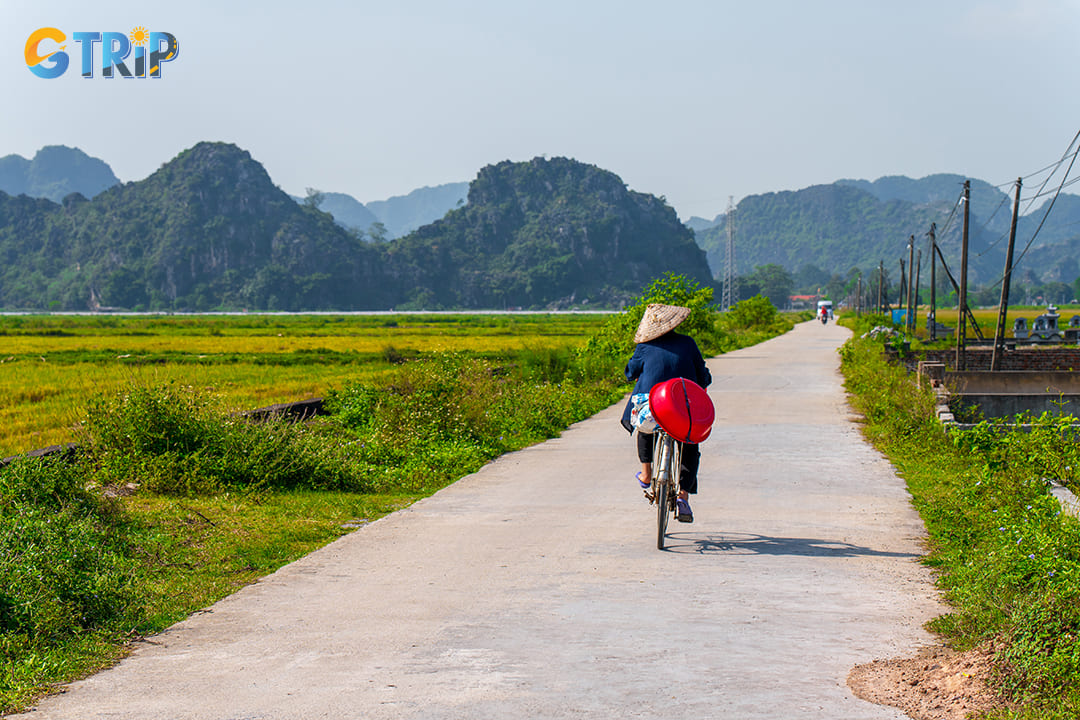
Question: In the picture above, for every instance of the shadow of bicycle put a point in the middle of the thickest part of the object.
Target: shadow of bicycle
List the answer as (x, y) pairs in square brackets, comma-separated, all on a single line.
[(747, 544)]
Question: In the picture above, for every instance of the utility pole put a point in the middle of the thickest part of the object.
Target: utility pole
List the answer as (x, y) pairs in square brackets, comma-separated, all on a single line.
[(881, 286), (961, 318), (956, 287), (1003, 309), (731, 279), (908, 325), (903, 286), (858, 298), (932, 318), (915, 295)]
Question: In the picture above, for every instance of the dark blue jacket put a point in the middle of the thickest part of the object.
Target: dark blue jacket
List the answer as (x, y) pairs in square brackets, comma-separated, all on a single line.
[(669, 356)]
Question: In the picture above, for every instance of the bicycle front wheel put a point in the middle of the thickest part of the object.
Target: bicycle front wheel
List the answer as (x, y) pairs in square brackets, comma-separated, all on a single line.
[(663, 512)]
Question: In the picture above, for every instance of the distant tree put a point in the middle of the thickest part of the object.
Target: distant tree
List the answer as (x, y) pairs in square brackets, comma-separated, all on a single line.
[(772, 281), (985, 296), (124, 288), (1057, 293), (313, 198), (810, 278), (840, 286), (377, 232)]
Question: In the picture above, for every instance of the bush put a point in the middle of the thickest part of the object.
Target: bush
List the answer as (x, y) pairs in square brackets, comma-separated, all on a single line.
[(757, 311), (614, 341), (439, 418), (64, 568), (173, 440)]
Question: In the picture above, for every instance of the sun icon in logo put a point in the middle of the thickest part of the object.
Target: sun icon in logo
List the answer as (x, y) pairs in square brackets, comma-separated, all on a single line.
[(139, 36)]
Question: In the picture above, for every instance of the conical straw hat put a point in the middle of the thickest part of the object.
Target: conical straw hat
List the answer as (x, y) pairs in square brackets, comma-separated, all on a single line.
[(658, 319)]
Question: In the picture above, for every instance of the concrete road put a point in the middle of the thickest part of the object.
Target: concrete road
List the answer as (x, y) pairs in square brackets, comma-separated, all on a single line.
[(534, 588)]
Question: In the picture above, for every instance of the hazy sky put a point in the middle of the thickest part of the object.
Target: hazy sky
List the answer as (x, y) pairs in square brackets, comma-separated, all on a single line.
[(693, 100)]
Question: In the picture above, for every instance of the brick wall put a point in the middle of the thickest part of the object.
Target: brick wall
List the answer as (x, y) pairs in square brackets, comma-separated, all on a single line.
[(1044, 359)]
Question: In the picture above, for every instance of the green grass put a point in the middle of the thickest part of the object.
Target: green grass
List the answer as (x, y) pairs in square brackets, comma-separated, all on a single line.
[(1007, 558), (106, 572)]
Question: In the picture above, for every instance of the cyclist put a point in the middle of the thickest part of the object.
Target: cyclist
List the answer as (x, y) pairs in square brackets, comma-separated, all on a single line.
[(662, 354)]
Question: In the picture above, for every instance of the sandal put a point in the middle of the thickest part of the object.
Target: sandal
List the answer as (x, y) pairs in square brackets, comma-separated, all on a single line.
[(683, 512), (644, 485)]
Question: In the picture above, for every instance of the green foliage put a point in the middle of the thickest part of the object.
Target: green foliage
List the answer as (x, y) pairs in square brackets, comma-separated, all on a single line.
[(61, 569), (895, 410), (757, 311), (772, 281), (65, 568), (747, 323), (439, 418), (173, 440), (615, 338), (1006, 555), (752, 321)]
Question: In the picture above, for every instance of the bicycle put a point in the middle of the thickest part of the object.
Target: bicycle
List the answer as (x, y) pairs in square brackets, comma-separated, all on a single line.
[(681, 409), (664, 490)]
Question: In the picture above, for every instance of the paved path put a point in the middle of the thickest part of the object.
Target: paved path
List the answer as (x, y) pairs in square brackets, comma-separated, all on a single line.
[(534, 589)]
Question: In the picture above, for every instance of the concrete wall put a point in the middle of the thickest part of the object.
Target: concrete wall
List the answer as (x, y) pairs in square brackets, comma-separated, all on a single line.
[(1034, 380), (1000, 405), (1012, 382)]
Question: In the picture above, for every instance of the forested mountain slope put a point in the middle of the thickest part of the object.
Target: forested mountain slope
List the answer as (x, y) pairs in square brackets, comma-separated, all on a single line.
[(210, 230)]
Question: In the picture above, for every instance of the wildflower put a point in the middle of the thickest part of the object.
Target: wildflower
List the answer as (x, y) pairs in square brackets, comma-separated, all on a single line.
[(1031, 556), (1001, 529)]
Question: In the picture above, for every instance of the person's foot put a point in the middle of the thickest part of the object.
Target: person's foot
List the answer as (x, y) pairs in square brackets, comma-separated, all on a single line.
[(683, 513), (645, 484)]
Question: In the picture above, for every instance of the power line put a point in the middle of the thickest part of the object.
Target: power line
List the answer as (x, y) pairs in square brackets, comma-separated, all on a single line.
[(986, 225), (1050, 205), (1044, 194), (948, 221)]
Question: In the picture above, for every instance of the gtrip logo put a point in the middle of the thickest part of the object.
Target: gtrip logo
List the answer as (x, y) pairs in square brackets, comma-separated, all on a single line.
[(46, 58)]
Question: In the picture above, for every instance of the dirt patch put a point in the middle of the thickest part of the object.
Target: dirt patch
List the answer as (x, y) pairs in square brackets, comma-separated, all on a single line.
[(936, 684)]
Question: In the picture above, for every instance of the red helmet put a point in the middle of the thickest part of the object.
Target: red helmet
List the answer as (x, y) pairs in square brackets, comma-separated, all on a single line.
[(683, 409)]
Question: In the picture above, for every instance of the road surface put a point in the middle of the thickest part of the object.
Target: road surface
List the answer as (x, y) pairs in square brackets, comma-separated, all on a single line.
[(533, 588)]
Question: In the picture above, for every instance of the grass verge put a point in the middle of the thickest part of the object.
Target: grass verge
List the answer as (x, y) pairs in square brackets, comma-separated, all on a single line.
[(1007, 558)]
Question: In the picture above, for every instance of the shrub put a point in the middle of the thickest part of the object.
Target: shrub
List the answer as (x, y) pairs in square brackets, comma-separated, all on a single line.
[(174, 440), (63, 563), (442, 417), (614, 341)]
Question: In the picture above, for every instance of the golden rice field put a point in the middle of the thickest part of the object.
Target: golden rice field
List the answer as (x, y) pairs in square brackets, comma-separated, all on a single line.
[(988, 317), (50, 365)]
